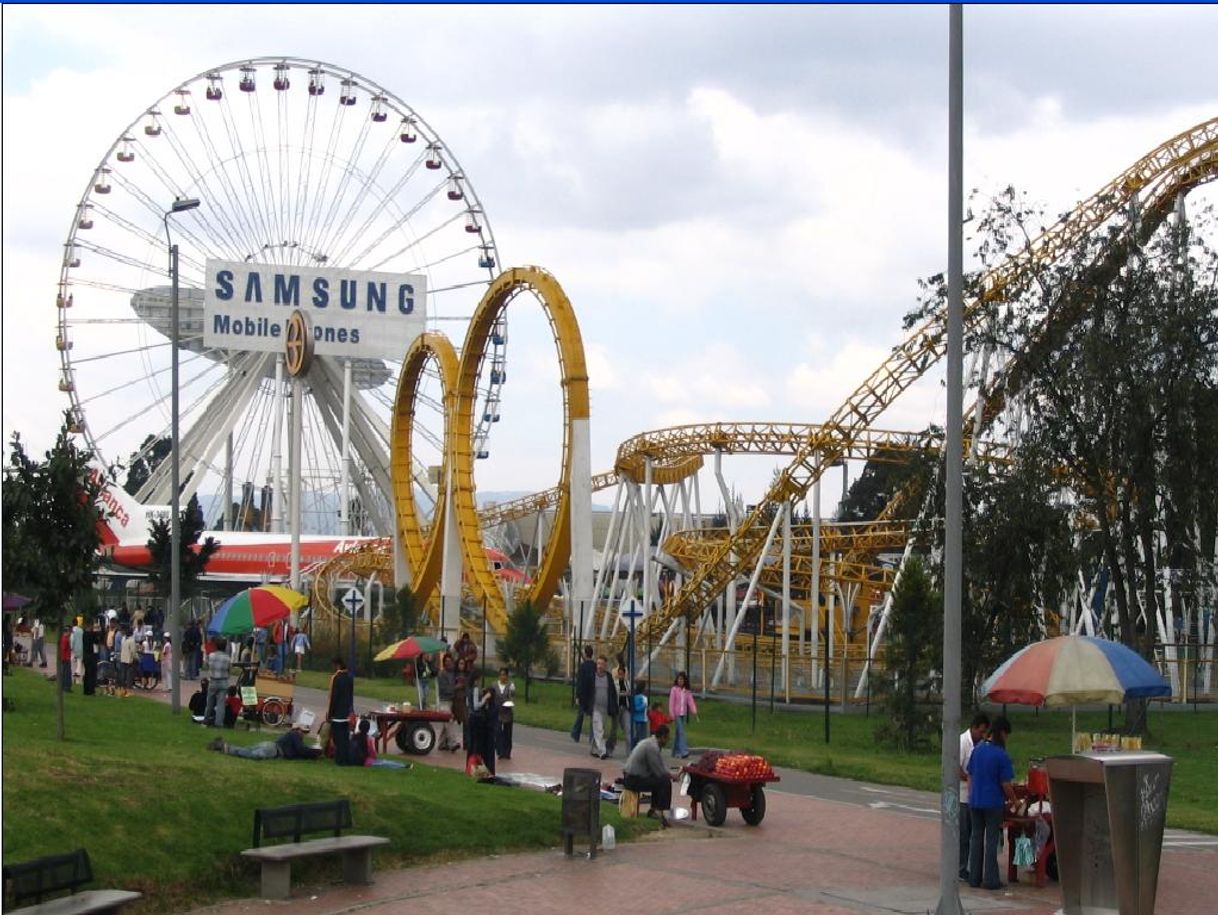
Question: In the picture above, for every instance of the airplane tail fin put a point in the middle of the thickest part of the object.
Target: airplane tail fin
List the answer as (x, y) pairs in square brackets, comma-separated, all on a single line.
[(124, 520)]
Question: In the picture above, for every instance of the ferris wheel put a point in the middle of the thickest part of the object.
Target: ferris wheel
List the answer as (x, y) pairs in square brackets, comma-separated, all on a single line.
[(295, 164)]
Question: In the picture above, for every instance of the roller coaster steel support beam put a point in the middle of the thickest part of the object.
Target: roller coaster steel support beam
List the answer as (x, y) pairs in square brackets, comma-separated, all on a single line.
[(598, 585), (748, 597)]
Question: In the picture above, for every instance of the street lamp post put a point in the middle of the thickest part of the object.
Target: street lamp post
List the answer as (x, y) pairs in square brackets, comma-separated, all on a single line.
[(180, 205)]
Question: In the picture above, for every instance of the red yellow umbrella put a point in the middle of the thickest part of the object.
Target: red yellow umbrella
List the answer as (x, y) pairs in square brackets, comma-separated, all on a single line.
[(411, 647)]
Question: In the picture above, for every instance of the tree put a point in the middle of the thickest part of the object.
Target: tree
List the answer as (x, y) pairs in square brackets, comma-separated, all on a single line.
[(399, 619), (912, 655), (142, 463), (526, 644), (1019, 559), (194, 556), (51, 536)]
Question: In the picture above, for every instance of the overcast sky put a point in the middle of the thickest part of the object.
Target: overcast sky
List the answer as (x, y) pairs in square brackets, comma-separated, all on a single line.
[(738, 200)]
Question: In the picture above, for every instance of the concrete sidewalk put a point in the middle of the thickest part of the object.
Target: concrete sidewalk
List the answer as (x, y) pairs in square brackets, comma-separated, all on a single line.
[(809, 855)]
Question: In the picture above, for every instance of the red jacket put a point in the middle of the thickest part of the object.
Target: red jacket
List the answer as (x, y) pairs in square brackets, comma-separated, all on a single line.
[(65, 645)]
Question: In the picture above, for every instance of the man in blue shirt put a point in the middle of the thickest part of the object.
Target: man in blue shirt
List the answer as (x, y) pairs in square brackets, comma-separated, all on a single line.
[(990, 774)]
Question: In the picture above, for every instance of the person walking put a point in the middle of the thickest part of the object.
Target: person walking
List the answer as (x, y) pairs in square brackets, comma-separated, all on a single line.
[(585, 680), (339, 711), (681, 704), (645, 772), (990, 777), (969, 739), (300, 647), (505, 703), (424, 671), (65, 659), (38, 639), (219, 667), (604, 706), (621, 719), (446, 690)]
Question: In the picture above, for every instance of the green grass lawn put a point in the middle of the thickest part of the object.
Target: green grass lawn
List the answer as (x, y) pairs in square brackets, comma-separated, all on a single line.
[(796, 738), (161, 814)]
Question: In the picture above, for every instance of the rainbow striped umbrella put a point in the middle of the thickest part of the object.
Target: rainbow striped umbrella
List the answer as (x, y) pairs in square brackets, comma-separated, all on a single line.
[(255, 607), (1074, 669)]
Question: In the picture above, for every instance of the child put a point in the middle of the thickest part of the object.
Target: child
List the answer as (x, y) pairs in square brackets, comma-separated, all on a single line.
[(638, 712), (656, 717), (363, 749), (232, 707)]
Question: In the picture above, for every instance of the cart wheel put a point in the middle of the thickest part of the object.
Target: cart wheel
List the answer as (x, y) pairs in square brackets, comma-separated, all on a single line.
[(273, 712), (714, 804), (419, 740), (756, 813)]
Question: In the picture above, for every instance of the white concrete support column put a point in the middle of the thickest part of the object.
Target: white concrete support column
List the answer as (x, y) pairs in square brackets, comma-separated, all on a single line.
[(727, 620), (277, 450), (814, 594), (344, 506), (581, 522), (645, 518), (877, 637), (786, 601), (452, 569), (294, 474)]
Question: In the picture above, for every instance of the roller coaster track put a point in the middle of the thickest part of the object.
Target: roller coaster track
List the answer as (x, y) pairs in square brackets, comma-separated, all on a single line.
[(535, 502), (570, 349), (423, 548), (1174, 167)]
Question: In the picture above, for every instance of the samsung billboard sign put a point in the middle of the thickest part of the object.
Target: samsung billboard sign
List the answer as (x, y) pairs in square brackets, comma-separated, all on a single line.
[(354, 313)]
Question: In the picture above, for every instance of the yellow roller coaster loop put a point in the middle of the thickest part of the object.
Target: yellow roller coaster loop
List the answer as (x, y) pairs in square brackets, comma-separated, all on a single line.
[(570, 347), (424, 550), (1174, 167)]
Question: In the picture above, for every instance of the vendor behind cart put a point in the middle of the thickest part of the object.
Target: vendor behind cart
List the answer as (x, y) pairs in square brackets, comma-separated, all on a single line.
[(645, 771)]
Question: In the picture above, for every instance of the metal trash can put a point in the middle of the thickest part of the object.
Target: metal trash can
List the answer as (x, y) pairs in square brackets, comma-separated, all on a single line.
[(581, 808), (1108, 816)]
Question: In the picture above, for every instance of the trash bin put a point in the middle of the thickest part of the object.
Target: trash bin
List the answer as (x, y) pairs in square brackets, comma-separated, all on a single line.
[(1108, 816), (581, 808)]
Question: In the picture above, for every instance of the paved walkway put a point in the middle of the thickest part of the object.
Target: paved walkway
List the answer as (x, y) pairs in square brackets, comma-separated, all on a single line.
[(811, 855)]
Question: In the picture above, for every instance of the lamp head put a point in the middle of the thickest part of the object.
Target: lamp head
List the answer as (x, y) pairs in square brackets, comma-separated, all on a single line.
[(182, 204)]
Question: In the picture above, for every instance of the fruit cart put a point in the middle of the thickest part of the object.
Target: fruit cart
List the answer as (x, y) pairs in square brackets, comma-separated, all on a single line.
[(722, 779)]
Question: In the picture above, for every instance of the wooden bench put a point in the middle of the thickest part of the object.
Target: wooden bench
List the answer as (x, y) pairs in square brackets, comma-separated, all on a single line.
[(299, 820), (34, 880)]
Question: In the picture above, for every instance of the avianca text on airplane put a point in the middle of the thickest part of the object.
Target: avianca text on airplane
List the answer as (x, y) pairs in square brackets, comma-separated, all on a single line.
[(243, 555)]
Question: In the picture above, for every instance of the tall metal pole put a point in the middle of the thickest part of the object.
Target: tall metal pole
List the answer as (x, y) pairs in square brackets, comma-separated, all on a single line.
[(294, 487), (180, 205), (949, 803), (344, 510), (175, 520)]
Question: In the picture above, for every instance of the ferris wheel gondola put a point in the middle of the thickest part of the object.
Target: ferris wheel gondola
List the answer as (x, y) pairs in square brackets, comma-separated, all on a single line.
[(287, 175)]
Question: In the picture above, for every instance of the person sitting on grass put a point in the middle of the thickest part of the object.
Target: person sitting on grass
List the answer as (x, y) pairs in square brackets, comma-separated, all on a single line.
[(363, 749), (645, 772), (289, 746), (198, 701)]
